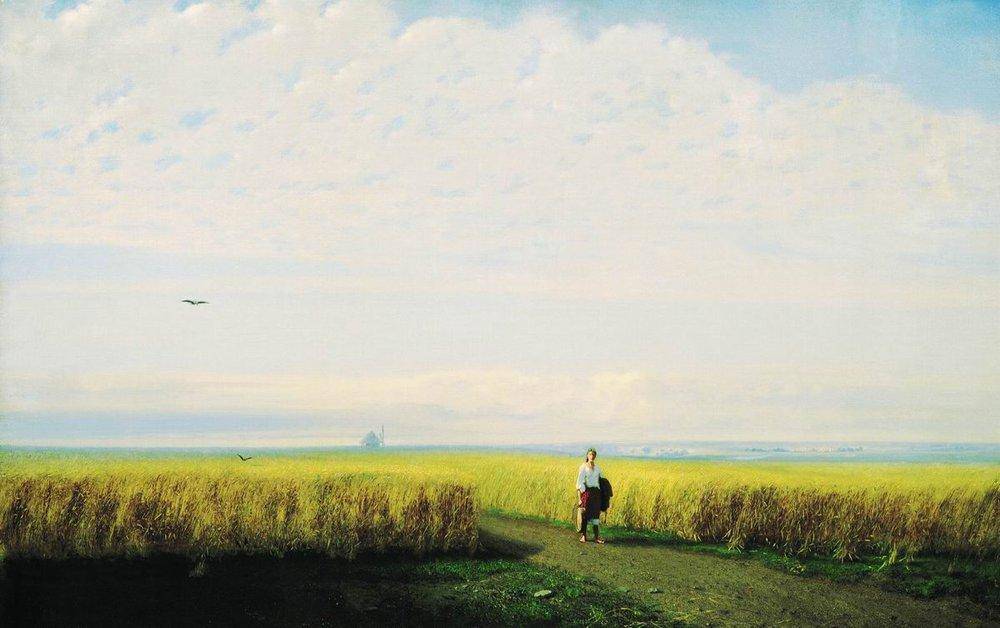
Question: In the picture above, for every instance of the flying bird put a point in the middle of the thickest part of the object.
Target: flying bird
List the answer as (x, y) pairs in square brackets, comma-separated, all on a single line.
[(193, 302), (245, 459)]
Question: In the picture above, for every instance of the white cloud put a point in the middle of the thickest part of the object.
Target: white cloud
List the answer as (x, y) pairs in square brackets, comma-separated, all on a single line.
[(633, 161)]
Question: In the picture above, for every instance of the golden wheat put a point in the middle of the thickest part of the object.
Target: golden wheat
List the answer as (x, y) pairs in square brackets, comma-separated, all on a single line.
[(840, 510), (176, 512)]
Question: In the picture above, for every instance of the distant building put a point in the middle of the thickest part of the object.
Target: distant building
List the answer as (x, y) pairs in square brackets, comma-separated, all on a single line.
[(373, 440)]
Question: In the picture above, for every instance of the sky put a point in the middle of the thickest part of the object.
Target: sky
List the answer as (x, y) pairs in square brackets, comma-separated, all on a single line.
[(498, 223)]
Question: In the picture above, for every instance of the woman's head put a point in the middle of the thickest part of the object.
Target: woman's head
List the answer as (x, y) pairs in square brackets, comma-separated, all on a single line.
[(591, 455)]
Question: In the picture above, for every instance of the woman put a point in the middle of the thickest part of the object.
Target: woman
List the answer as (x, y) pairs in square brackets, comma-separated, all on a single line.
[(588, 485)]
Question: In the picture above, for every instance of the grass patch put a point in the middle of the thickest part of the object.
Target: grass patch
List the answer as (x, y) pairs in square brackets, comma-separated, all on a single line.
[(503, 591)]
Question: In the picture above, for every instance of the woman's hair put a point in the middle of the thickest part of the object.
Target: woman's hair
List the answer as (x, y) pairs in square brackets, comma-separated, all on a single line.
[(588, 453)]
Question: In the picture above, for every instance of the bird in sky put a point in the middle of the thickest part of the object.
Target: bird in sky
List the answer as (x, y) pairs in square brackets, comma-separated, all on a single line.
[(245, 459), (193, 302)]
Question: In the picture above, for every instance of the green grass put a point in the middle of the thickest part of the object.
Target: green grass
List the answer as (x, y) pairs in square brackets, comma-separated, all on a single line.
[(503, 591)]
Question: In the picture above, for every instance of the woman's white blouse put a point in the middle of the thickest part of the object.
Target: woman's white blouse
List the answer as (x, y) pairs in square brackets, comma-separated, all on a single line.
[(586, 477)]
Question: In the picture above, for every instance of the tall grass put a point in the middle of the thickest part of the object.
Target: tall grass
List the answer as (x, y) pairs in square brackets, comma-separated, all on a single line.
[(841, 510), (117, 513), (837, 510)]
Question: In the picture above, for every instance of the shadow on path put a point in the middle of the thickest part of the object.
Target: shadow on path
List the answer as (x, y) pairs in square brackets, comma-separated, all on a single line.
[(246, 590), (495, 544)]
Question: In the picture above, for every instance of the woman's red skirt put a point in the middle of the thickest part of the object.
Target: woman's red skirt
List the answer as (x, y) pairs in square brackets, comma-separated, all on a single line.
[(591, 500)]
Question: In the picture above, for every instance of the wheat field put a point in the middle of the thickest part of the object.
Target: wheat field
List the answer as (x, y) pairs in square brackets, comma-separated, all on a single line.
[(189, 511), (345, 502)]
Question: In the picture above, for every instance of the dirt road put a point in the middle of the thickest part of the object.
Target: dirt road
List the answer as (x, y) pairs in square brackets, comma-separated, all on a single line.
[(709, 590)]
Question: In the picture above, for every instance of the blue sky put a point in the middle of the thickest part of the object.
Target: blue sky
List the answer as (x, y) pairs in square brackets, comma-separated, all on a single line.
[(494, 222), (944, 54)]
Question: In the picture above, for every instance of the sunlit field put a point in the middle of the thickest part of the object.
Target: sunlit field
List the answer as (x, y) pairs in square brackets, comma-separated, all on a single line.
[(205, 507), (350, 501)]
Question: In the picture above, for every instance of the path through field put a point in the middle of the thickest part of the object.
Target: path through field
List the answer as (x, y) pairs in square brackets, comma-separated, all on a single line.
[(704, 589)]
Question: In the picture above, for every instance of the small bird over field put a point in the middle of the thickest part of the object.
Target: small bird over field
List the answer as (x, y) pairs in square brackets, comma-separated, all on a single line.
[(245, 459), (193, 302)]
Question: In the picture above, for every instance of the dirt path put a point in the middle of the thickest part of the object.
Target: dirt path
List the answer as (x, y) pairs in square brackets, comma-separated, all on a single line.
[(708, 590)]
